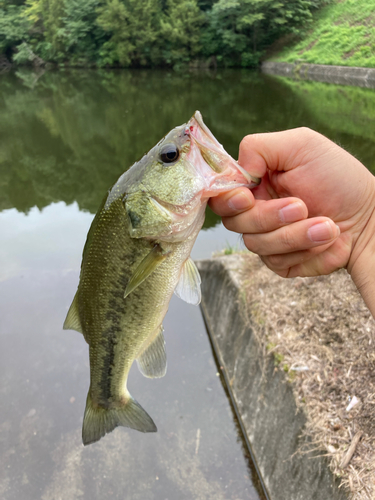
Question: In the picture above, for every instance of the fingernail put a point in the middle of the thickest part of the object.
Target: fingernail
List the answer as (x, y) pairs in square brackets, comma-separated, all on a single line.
[(239, 201), (291, 213), (321, 232)]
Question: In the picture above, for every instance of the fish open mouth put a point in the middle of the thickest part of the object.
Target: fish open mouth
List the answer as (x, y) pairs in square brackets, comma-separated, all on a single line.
[(213, 152)]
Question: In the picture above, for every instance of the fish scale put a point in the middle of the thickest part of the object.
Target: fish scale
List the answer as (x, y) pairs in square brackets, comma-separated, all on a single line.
[(137, 253)]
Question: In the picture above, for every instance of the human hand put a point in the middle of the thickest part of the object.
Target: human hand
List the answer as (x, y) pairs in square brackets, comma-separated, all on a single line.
[(312, 213)]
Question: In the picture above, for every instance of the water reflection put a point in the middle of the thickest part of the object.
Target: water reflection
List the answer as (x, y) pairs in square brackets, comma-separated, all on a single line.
[(72, 135), (65, 139)]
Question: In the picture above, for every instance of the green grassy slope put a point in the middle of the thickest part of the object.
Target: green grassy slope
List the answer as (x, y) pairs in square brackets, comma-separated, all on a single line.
[(345, 114), (342, 33)]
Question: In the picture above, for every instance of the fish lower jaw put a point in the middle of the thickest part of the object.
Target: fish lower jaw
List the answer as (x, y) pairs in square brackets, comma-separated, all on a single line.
[(224, 185)]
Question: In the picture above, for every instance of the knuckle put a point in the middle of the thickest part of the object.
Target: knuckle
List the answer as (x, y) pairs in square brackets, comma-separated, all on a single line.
[(249, 140), (276, 261), (246, 140), (284, 273), (280, 271), (251, 243), (287, 238), (306, 131), (309, 137), (260, 221), (228, 223)]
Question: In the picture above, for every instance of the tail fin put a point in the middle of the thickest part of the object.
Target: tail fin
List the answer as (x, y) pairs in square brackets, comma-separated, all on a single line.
[(99, 421)]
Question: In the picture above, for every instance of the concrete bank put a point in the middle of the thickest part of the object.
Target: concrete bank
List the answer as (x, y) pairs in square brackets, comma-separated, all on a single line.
[(340, 75), (263, 399)]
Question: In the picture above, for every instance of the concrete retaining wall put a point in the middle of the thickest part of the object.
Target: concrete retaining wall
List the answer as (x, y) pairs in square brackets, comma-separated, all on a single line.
[(341, 75), (263, 399)]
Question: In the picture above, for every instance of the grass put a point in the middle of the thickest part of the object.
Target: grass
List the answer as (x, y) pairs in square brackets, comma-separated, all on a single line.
[(230, 250), (343, 33), (322, 325)]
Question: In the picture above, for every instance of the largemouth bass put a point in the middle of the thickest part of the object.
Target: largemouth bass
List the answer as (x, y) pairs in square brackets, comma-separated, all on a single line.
[(137, 253)]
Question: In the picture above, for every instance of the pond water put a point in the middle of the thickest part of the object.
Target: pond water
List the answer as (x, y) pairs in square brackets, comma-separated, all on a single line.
[(65, 137)]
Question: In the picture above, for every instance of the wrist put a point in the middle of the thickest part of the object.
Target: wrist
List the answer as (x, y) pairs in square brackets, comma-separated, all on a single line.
[(361, 265)]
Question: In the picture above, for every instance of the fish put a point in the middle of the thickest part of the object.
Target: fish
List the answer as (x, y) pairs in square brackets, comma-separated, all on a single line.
[(136, 255)]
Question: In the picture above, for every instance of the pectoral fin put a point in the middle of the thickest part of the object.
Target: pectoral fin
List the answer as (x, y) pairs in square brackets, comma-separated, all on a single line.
[(152, 363), (189, 285), (145, 268)]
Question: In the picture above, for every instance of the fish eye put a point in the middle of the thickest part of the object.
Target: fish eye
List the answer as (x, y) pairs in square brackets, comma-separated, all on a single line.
[(169, 153)]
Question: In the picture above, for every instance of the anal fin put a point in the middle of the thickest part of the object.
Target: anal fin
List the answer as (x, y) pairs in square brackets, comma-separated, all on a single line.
[(152, 363)]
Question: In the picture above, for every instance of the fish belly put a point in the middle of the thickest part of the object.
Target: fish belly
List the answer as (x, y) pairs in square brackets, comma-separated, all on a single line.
[(117, 329)]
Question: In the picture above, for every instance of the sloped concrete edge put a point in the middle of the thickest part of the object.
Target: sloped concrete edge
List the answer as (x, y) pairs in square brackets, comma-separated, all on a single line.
[(340, 75), (263, 399)]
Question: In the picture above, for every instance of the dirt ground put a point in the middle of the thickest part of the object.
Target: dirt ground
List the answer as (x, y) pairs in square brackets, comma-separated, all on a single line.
[(322, 335)]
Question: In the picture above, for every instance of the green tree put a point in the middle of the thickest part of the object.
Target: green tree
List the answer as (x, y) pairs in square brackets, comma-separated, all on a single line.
[(133, 27), (181, 31), (239, 30), (46, 19), (14, 27), (147, 32), (80, 33), (205, 4)]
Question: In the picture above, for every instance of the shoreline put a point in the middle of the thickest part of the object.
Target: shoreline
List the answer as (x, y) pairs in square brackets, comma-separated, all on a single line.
[(265, 405), (339, 75), (293, 354)]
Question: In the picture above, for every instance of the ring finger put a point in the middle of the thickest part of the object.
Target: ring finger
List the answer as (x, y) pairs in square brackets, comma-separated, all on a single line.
[(301, 235)]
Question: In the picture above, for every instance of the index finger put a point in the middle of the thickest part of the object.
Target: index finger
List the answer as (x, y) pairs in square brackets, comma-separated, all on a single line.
[(233, 202)]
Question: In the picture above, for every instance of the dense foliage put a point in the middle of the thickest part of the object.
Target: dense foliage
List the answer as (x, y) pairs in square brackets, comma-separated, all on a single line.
[(147, 32)]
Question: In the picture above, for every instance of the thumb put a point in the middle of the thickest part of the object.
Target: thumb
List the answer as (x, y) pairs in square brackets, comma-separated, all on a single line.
[(277, 151)]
